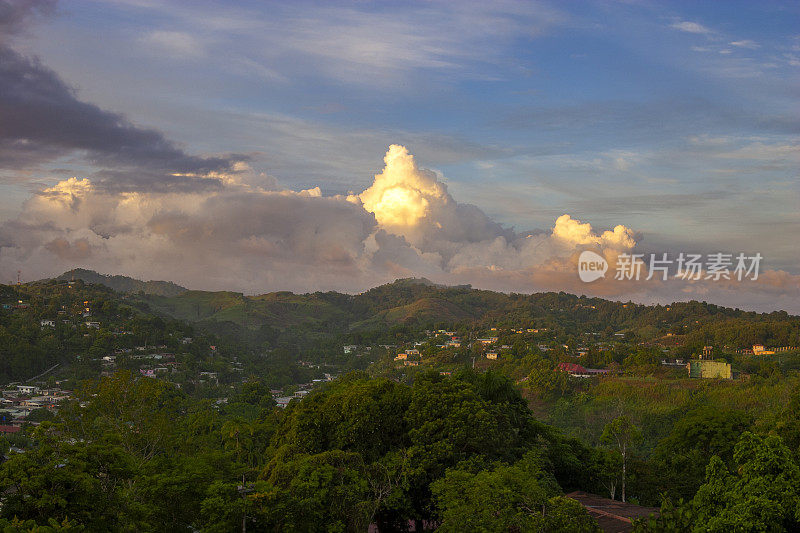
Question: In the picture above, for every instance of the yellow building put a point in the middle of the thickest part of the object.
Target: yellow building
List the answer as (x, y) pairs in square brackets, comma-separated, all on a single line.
[(758, 349), (709, 369)]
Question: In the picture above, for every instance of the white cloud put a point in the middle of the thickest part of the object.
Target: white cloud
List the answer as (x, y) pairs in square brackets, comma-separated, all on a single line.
[(174, 43), (745, 43), (691, 27)]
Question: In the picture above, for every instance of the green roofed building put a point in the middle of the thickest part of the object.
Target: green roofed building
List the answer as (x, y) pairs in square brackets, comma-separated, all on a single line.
[(710, 369)]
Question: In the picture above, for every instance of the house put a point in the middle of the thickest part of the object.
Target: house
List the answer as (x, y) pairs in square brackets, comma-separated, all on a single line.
[(705, 369), (27, 389), (611, 515), (349, 348), (491, 355), (573, 369), (48, 323), (10, 429), (93, 325), (488, 340), (283, 401), (578, 371), (759, 349), (401, 357), (148, 373), (410, 363), (412, 352)]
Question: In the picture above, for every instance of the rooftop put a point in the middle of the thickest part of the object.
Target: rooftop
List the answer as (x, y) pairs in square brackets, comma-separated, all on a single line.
[(611, 515)]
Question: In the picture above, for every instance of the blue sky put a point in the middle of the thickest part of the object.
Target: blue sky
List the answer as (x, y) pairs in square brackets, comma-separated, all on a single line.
[(676, 119)]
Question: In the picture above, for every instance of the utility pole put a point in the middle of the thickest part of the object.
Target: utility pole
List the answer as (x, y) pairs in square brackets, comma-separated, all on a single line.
[(244, 489)]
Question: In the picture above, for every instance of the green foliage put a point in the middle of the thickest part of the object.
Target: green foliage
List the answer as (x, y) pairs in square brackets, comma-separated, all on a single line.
[(16, 525), (683, 455), (671, 519), (62, 480), (546, 380), (762, 494), (519, 497)]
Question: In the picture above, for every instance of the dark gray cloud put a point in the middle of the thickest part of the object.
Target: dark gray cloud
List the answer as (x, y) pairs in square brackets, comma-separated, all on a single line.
[(42, 119), (15, 15)]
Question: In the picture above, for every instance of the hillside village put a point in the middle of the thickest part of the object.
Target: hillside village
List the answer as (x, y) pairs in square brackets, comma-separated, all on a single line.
[(253, 363)]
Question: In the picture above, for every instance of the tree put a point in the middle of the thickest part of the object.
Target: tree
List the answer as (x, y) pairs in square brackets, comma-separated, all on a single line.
[(682, 456), (622, 435), (321, 492), (761, 494), (140, 412), (66, 480), (546, 380), (519, 497)]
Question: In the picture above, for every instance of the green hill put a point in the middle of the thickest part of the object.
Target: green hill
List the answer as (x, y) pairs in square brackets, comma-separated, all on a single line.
[(123, 283), (420, 303)]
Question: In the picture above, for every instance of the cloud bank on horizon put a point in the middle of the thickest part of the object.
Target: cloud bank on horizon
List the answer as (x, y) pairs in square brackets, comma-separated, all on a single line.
[(149, 208), (251, 238)]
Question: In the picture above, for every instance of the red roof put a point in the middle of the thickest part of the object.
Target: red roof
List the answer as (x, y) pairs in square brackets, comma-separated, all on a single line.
[(10, 429), (572, 368)]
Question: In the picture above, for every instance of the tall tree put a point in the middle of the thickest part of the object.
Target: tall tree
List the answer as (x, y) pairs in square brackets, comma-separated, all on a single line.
[(622, 435)]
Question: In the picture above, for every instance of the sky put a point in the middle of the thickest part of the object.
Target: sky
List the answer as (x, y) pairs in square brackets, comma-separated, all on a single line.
[(259, 146)]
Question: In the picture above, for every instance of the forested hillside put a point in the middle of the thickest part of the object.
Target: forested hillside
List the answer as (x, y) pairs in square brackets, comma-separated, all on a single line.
[(415, 303), (409, 405)]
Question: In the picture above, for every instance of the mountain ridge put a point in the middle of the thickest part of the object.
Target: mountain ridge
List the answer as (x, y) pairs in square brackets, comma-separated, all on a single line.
[(122, 283)]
